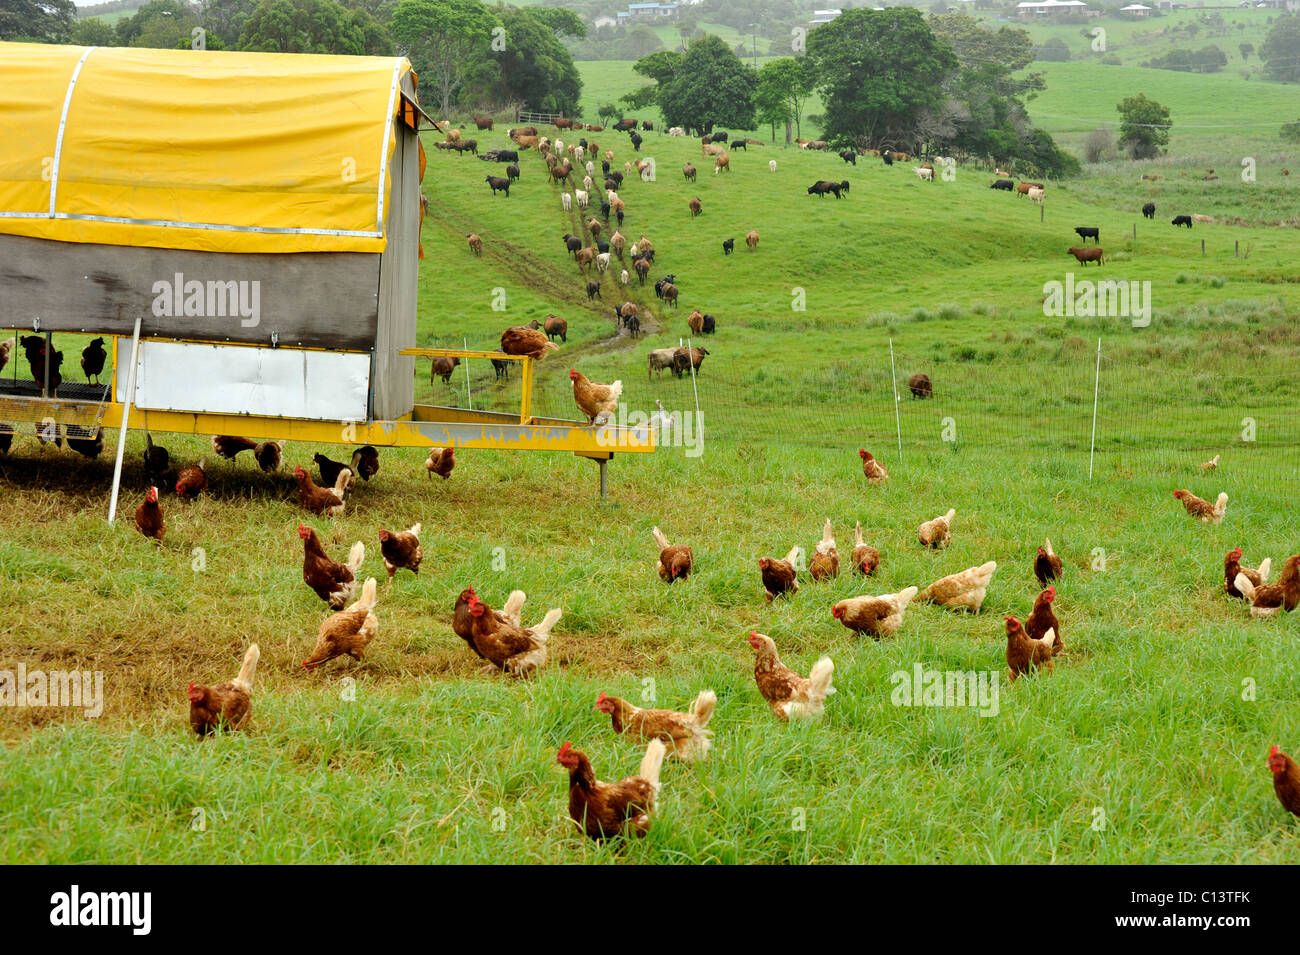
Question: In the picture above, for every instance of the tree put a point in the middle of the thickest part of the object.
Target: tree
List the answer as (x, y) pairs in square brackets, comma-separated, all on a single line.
[(1246, 50), (787, 81), (1281, 50), (1144, 126), (45, 21), (312, 26), (710, 88), (878, 71), (92, 31), (225, 20), (160, 24), (439, 36), (533, 68), (1096, 145), (1053, 51), (606, 113)]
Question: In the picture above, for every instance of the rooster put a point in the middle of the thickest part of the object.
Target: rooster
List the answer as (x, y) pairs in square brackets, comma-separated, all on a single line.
[(229, 704), (348, 631), (1047, 566), (440, 462), (674, 562), (149, 517), (788, 694), (1211, 464), (518, 340), (961, 591), (507, 646), (192, 480), (322, 500), (401, 550), (686, 734), (937, 533), (873, 469), (156, 460), (1232, 567), (865, 559), (605, 810), (1203, 511), (1267, 599), (331, 581), (598, 402), (462, 621), (1042, 619), (779, 575), (1023, 654), (878, 616), (365, 462), (825, 562), (1286, 780)]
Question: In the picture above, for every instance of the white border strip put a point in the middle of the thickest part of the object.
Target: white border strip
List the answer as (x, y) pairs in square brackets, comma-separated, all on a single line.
[(383, 152), (63, 123)]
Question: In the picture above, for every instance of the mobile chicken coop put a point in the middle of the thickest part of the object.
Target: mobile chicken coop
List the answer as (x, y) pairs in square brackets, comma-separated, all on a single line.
[(244, 230)]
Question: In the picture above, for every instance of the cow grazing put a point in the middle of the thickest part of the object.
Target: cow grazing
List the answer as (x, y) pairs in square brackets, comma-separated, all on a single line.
[(844, 187), (1005, 184), (1182, 220), (475, 243), (924, 173), (710, 324), (751, 240), (443, 366), (696, 208), (740, 144), (688, 171), (920, 387), (849, 156), (722, 162), (636, 142), (498, 185), (1037, 195), (1088, 232), (512, 171), (822, 187), (556, 327), (502, 367), (1149, 210), (728, 246), (658, 360), (1092, 254)]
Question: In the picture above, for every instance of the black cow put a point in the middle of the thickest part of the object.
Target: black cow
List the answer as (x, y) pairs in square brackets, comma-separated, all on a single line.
[(889, 160), (1086, 232), (502, 368), (844, 187), (659, 286), (740, 144), (507, 155), (823, 187), (849, 156), (604, 209), (647, 125), (602, 245), (593, 291), (1007, 184), (633, 325), (1182, 220), (619, 215), (709, 325), (604, 166), (498, 183), (623, 125), (573, 243), (721, 137), (512, 171), (728, 246), (636, 141), (1149, 210), (618, 179)]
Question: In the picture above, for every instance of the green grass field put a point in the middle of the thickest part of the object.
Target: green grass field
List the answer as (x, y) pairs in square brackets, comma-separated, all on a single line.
[(1147, 744)]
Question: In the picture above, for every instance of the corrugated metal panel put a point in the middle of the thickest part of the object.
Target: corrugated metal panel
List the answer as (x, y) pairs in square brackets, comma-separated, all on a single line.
[(275, 382)]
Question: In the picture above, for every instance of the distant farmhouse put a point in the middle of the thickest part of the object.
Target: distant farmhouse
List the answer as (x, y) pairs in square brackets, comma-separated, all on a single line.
[(1049, 8), (647, 12)]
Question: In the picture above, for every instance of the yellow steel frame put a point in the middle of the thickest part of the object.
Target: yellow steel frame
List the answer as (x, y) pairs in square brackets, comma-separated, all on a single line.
[(425, 426)]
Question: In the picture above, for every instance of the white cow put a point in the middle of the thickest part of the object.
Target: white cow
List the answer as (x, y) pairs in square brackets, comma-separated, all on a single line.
[(625, 278), (771, 164), (925, 175), (586, 183), (602, 262), (581, 197), (1036, 194), (676, 131), (566, 201), (591, 168)]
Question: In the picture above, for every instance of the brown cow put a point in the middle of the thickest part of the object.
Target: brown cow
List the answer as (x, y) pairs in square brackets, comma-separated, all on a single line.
[(696, 208), (696, 322), (526, 142), (475, 243), (920, 386), (523, 131), (562, 123), (593, 226), (1091, 254), (642, 269), (557, 326), (751, 240), (585, 257), (483, 122), (722, 162), (442, 368)]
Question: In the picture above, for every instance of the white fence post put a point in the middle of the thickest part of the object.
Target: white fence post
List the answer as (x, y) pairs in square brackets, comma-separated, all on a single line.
[(1096, 391), (898, 425)]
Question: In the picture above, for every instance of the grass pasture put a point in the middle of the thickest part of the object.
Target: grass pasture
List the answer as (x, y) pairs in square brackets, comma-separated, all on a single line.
[(1146, 745)]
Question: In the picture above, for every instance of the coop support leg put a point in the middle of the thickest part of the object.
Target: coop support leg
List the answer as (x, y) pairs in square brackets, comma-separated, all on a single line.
[(603, 462), (126, 419)]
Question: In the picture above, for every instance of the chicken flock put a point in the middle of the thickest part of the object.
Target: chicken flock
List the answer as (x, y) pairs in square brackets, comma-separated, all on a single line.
[(505, 645)]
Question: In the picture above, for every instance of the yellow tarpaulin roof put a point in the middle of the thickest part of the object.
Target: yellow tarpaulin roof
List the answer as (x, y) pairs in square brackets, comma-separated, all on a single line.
[(185, 149)]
